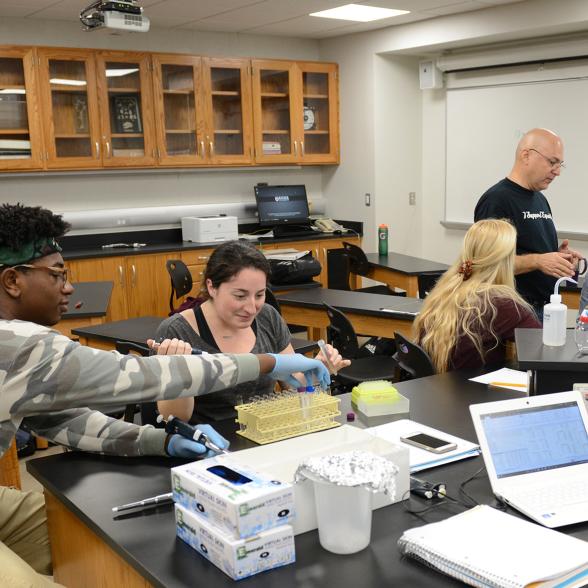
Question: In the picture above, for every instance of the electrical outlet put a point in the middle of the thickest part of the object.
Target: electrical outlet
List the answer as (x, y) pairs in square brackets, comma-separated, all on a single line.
[(368, 199), (412, 198)]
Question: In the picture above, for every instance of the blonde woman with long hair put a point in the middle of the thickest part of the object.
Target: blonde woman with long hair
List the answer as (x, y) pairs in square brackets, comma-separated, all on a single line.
[(474, 308)]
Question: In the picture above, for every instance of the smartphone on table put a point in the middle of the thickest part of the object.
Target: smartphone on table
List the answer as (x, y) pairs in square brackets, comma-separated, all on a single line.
[(429, 443)]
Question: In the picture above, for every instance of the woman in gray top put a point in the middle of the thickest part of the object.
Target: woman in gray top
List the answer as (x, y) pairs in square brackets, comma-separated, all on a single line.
[(233, 319)]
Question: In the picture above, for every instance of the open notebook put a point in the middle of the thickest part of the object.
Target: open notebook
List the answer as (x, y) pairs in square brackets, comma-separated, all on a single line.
[(486, 547)]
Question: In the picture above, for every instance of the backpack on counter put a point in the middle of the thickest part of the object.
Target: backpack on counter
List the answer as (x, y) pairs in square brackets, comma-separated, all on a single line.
[(295, 271)]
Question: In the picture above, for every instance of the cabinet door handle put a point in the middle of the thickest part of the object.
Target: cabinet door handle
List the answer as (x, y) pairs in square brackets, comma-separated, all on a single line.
[(302, 148), (296, 148), (133, 274), (120, 276), (203, 257), (108, 149), (211, 145), (202, 152), (97, 150)]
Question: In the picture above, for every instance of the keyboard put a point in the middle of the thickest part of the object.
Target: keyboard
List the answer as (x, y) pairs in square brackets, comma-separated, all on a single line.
[(296, 233), (557, 494)]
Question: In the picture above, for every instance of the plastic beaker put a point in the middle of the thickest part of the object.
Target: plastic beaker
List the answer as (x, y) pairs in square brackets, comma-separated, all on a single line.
[(344, 516)]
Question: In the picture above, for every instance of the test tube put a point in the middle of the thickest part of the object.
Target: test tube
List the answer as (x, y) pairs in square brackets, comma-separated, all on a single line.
[(323, 348)]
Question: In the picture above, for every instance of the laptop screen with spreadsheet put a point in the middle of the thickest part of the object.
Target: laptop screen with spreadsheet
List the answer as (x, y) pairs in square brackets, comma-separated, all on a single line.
[(535, 439)]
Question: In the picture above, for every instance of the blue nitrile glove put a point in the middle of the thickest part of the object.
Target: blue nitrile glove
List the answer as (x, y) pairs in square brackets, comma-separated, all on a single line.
[(179, 446), (290, 363)]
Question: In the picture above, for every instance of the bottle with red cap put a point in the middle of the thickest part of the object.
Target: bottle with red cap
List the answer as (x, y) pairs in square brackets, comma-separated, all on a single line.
[(582, 332), (383, 239)]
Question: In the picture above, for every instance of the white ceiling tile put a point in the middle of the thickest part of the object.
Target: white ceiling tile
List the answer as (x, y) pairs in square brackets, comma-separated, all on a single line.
[(63, 10), (271, 11), (23, 8), (196, 9), (467, 6), (496, 2)]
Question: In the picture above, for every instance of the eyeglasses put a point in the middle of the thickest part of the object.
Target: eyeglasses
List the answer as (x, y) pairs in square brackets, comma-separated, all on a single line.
[(554, 163), (56, 272)]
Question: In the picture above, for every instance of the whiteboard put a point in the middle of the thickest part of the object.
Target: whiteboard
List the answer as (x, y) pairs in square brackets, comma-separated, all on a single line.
[(484, 125)]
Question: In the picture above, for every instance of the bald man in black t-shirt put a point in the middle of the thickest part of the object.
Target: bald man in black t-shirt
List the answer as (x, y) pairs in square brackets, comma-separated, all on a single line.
[(540, 261)]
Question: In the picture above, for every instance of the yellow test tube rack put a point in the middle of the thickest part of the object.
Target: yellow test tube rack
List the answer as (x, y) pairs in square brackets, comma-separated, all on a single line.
[(278, 418)]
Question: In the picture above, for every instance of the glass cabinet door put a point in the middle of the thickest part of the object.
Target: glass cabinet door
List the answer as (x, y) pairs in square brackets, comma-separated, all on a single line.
[(227, 87), (20, 136), (126, 109), (178, 109), (274, 103), (70, 108), (318, 116)]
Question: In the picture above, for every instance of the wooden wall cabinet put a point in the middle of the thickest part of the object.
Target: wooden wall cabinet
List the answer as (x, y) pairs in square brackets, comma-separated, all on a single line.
[(117, 109), (179, 109), (69, 100), (295, 112), (21, 140), (126, 109), (97, 108), (229, 119)]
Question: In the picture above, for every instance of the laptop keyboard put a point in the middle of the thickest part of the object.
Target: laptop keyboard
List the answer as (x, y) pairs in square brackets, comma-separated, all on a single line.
[(561, 495)]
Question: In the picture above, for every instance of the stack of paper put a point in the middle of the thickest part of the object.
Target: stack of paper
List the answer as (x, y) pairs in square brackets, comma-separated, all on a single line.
[(421, 459), (14, 148), (285, 254), (505, 378)]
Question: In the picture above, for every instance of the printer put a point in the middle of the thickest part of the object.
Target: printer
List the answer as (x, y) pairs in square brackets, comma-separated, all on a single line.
[(208, 229)]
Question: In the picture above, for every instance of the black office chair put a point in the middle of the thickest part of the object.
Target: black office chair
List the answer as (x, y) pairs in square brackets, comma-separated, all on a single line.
[(364, 366), (270, 298), (148, 410), (426, 282), (359, 265), (181, 280), (412, 359)]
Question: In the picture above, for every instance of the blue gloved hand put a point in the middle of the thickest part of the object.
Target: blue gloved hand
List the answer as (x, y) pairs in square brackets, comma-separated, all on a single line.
[(179, 446), (290, 363)]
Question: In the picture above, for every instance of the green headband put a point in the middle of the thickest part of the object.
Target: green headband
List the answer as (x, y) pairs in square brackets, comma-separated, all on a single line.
[(29, 251)]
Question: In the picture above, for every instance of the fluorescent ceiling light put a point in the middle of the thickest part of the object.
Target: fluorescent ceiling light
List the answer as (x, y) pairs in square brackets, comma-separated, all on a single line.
[(13, 91), (64, 82), (117, 73), (359, 13)]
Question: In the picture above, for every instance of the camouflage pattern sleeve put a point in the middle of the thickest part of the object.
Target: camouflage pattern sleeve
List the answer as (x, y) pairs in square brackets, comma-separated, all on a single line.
[(42, 371), (90, 430)]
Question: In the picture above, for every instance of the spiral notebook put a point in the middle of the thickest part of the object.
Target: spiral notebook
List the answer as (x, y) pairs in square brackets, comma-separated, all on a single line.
[(487, 547)]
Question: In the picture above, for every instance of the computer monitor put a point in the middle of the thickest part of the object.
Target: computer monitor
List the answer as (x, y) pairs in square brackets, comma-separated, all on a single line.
[(282, 206)]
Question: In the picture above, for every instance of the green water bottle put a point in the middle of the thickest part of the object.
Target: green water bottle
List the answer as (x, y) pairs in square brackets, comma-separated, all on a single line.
[(383, 240)]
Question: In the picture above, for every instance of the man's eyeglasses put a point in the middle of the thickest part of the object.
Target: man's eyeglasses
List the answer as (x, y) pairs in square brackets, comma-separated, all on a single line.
[(56, 272), (554, 163)]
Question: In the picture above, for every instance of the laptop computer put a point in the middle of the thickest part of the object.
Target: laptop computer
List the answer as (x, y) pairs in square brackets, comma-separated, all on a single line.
[(536, 454)]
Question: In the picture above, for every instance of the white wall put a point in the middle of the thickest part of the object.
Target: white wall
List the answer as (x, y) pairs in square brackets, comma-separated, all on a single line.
[(80, 191), (379, 62)]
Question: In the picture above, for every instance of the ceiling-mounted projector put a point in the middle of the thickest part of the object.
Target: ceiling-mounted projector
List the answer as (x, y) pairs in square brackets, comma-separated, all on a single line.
[(122, 15)]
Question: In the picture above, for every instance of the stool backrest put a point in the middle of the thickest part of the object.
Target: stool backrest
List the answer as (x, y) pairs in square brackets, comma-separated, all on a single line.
[(358, 262), (412, 358), (181, 280), (341, 333)]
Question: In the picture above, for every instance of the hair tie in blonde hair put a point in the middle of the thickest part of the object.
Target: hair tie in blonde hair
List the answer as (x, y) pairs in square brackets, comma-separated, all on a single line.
[(465, 269)]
